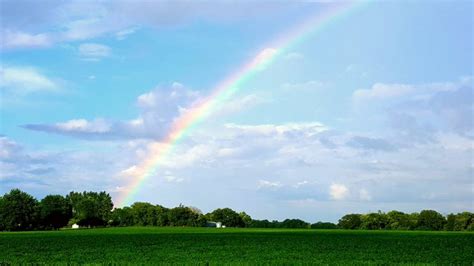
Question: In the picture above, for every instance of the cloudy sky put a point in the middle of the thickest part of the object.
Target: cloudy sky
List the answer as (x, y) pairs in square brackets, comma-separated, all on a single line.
[(372, 111)]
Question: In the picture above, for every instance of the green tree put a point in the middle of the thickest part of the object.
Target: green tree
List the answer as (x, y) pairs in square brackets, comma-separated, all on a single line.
[(430, 220), (350, 221), (183, 216), (122, 217), (293, 223), (450, 222), (463, 220), (261, 224), (196, 210), (202, 219), (374, 221), (323, 225), (470, 227), (91, 208), (397, 220), (162, 215), (227, 217), (18, 211), (245, 218), (88, 213), (144, 214), (2, 226), (55, 211), (413, 220)]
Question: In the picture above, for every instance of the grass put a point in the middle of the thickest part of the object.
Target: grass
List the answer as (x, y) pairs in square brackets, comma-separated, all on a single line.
[(152, 245)]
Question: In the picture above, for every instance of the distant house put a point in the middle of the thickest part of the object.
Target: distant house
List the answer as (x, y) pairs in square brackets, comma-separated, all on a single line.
[(75, 226), (214, 224)]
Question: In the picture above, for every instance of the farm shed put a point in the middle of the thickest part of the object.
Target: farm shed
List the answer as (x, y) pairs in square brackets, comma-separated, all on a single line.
[(214, 224)]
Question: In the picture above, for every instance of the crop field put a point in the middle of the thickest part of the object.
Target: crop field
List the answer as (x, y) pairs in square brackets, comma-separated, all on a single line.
[(151, 245)]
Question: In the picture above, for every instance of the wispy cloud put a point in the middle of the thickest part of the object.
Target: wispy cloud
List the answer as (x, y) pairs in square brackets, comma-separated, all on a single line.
[(384, 91), (158, 109), (78, 126), (294, 163), (52, 171), (23, 80), (418, 112), (121, 35), (93, 51), (19, 39), (85, 20), (269, 184)]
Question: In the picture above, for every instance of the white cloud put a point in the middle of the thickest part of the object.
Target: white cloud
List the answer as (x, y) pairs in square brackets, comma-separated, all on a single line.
[(382, 91), (173, 179), (129, 171), (48, 171), (82, 125), (451, 141), (84, 28), (305, 129), (167, 97), (8, 148), (304, 159), (234, 154), (22, 80), (83, 20), (196, 154), (81, 128), (158, 110), (147, 99), (121, 35), (301, 183), (416, 113), (232, 161), (338, 191), (18, 39), (93, 51), (268, 184)]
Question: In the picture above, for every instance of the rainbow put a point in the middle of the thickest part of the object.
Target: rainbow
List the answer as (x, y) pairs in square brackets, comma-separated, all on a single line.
[(183, 125)]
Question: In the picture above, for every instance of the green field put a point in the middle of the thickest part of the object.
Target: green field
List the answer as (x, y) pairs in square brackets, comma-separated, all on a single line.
[(210, 245)]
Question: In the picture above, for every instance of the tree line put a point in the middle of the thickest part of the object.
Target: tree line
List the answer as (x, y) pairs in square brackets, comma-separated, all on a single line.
[(20, 211)]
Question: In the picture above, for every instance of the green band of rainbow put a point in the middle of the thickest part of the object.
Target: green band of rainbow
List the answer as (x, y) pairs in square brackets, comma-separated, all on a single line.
[(223, 91)]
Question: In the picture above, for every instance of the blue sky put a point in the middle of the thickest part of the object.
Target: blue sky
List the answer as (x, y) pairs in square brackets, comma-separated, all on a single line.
[(372, 112)]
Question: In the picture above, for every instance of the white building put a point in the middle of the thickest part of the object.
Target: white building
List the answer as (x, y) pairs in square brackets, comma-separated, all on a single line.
[(215, 224), (75, 226)]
